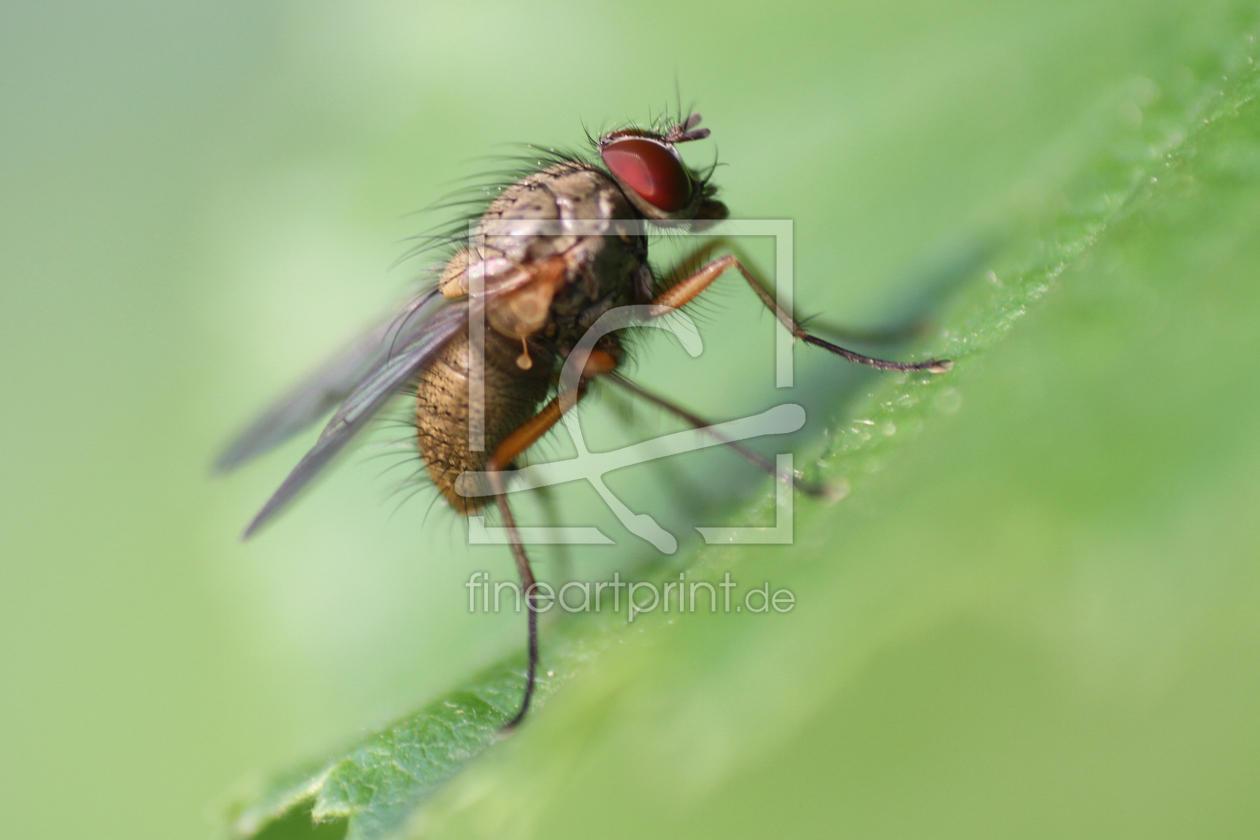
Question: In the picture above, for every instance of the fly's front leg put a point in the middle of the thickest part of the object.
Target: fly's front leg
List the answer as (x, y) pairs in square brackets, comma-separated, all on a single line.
[(504, 454), (689, 287)]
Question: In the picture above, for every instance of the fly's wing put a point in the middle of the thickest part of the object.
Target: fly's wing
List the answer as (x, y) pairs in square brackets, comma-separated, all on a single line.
[(399, 364), (324, 389)]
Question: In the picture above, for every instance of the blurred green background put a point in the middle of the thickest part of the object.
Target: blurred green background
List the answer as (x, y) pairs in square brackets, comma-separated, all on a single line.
[(1036, 619)]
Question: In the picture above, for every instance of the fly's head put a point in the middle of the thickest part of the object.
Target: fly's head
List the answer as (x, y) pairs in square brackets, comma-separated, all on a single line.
[(652, 174)]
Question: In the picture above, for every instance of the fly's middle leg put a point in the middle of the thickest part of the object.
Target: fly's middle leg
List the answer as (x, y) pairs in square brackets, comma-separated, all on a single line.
[(750, 455)]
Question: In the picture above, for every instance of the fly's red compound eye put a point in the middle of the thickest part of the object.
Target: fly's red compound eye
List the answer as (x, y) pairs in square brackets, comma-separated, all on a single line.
[(651, 168)]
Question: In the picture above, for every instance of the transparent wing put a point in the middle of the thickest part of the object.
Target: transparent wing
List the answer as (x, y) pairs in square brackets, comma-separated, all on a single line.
[(400, 361), (324, 389)]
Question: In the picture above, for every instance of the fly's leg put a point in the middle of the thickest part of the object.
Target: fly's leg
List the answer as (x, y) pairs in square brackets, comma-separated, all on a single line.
[(687, 289), (752, 456), (892, 334), (504, 454)]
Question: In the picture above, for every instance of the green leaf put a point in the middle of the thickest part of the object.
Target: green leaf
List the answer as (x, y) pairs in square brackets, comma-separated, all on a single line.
[(379, 782), (1032, 616)]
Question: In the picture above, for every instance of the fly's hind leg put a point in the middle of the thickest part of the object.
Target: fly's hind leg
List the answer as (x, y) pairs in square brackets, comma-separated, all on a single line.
[(504, 454)]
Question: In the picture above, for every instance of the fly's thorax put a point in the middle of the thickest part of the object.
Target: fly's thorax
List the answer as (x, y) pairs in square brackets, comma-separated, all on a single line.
[(552, 252), (551, 212)]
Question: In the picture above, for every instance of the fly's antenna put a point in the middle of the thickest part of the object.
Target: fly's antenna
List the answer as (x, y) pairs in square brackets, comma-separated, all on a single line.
[(686, 131)]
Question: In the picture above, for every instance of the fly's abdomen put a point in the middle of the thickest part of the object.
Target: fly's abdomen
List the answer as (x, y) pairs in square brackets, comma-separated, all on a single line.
[(512, 396)]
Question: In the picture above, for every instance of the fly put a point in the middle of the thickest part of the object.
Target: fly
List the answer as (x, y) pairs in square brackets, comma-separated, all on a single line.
[(482, 349)]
